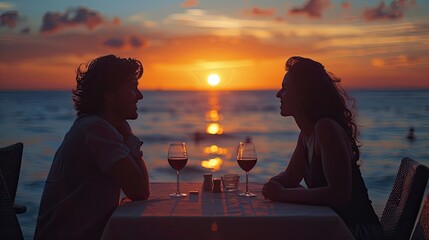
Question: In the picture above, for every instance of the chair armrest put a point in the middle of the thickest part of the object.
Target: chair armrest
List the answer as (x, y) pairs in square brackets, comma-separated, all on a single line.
[(19, 208)]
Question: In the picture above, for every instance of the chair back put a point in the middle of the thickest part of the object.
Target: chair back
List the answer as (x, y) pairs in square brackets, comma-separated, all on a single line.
[(421, 231), (9, 225), (10, 165), (403, 204)]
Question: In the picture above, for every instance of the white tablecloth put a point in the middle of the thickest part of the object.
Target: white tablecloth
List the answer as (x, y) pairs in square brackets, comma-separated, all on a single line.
[(220, 216)]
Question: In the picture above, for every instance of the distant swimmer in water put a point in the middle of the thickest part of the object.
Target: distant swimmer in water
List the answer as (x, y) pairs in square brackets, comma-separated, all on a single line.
[(197, 137), (411, 135)]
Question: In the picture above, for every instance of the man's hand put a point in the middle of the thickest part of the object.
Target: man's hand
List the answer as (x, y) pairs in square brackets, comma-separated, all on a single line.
[(124, 129)]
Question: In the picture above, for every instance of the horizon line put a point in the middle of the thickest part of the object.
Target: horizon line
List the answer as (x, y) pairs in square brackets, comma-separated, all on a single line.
[(229, 90)]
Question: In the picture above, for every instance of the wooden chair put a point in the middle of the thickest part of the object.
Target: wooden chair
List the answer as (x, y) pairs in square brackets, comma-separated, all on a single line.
[(421, 231), (402, 207), (9, 225), (10, 165)]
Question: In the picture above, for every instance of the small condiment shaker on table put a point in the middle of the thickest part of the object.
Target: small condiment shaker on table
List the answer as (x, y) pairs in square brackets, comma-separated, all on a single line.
[(216, 186), (207, 183)]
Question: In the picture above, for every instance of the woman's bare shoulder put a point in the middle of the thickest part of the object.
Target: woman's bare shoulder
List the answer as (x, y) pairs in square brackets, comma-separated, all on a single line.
[(328, 128)]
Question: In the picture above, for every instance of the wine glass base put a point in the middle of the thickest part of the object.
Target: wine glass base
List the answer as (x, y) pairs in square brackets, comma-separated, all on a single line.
[(178, 195), (247, 194)]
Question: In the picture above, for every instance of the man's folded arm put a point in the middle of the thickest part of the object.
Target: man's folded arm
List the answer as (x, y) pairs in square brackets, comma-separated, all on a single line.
[(132, 176)]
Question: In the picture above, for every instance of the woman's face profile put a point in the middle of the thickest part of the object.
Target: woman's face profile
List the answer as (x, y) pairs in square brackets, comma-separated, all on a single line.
[(288, 97)]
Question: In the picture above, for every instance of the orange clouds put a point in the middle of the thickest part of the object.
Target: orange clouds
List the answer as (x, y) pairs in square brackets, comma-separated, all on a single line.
[(246, 45), (346, 5), (398, 61), (189, 3), (182, 63)]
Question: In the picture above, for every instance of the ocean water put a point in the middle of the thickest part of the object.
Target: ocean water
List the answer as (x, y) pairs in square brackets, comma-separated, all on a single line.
[(212, 124)]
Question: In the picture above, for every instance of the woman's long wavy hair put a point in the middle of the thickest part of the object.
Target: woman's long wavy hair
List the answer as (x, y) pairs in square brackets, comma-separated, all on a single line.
[(99, 76), (323, 96)]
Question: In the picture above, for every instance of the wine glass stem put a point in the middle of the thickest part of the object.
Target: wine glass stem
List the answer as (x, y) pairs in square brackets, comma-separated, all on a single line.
[(247, 182), (178, 190)]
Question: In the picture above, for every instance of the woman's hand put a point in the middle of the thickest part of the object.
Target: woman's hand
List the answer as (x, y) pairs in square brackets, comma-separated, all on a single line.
[(277, 178), (274, 191)]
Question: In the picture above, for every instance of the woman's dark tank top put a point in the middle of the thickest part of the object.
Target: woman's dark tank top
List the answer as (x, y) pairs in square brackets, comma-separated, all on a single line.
[(359, 210)]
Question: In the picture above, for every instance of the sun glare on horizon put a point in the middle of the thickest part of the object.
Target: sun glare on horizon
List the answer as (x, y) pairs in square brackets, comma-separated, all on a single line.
[(213, 79)]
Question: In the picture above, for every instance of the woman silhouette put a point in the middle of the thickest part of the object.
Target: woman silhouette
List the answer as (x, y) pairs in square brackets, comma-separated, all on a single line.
[(327, 153)]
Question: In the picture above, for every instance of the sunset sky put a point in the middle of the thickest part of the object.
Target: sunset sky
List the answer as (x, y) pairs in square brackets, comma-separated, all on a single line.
[(369, 44)]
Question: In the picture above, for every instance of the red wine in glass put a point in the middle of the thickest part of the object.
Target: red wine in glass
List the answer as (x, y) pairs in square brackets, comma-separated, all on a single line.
[(177, 163), (246, 159), (177, 158), (247, 165)]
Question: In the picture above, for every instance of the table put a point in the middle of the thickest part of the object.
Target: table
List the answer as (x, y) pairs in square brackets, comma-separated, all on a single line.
[(220, 216)]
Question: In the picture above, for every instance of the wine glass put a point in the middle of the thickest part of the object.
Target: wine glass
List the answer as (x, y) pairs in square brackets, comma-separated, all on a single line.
[(177, 158), (246, 159)]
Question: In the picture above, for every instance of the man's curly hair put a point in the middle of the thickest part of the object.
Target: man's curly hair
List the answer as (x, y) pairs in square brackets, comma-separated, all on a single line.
[(99, 76)]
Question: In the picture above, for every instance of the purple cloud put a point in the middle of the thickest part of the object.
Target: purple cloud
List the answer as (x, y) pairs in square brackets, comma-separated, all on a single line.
[(136, 42), (313, 8), (393, 11), (25, 30), (56, 21), (114, 42), (9, 19), (132, 41)]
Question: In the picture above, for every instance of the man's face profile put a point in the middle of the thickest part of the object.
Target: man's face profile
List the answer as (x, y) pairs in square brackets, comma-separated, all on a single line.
[(123, 100)]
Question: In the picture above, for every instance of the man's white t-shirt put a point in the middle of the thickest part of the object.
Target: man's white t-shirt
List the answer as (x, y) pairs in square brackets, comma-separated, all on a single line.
[(79, 197)]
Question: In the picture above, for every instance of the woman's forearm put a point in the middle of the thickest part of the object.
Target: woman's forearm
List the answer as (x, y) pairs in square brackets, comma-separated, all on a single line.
[(316, 196)]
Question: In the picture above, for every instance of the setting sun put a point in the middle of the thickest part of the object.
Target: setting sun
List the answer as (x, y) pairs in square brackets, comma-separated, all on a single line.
[(213, 79)]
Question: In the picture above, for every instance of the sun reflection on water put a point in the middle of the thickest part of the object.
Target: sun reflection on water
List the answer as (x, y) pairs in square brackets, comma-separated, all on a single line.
[(214, 149), (213, 164), (213, 115), (215, 155), (214, 128)]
